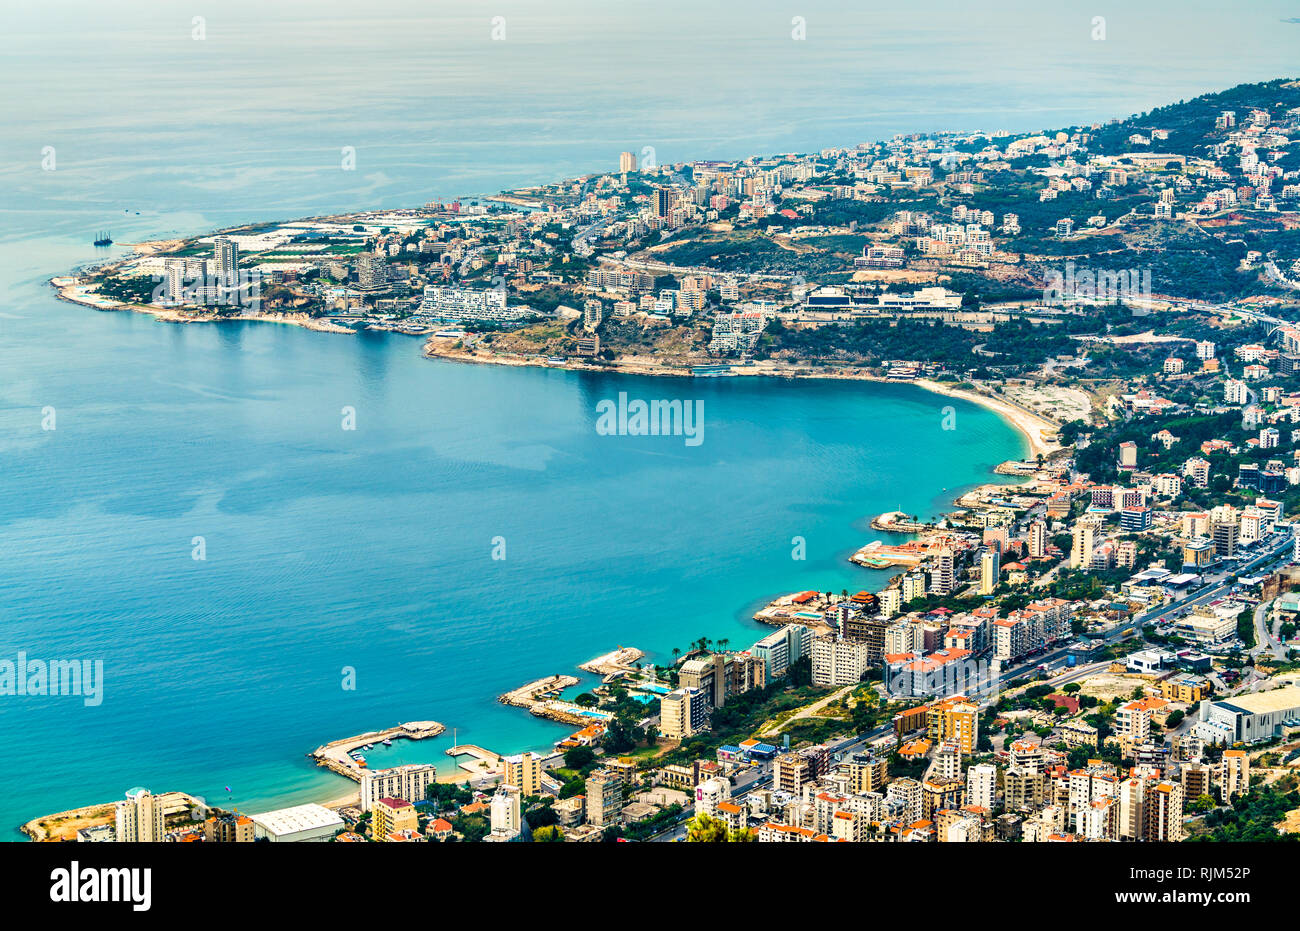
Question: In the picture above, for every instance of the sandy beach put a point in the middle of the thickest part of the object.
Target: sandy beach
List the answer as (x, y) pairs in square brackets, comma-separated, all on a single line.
[(1034, 427)]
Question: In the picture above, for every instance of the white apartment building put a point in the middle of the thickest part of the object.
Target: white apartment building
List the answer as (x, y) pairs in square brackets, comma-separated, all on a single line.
[(469, 304), (139, 818), (409, 783), (839, 662), (982, 785), (710, 793), (504, 814)]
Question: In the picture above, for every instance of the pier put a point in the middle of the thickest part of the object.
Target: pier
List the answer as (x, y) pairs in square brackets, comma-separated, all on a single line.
[(337, 755), (898, 522), (878, 555), (807, 608), (526, 696), (1016, 467), (483, 762), (541, 698), (622, 659)]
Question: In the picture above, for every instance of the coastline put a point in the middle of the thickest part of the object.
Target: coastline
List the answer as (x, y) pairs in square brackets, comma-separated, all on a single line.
[(1030, 426), (71, 292), (1033, 427)]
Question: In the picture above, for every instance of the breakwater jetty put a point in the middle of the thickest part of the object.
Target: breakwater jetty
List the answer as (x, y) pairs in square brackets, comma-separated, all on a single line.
[(337, 755)]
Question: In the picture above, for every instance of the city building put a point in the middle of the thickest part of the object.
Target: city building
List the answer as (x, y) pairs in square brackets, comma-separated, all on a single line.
[(954, 719), (410, 782), (778, 650), (982, 785), (504, 814), (392, 816), (604, 798), (1249, 718), (710, 793), (865, 773), (139, 818), (1038, 539), (225, 259), (524, 771), (372, 272), (297, 824), (467, 304), (838, 661), (229, 829), (989, 571), (683, 713), (1084, 543)]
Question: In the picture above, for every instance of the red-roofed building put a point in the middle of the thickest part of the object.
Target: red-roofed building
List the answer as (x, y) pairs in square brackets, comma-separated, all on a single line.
[(439, 829)]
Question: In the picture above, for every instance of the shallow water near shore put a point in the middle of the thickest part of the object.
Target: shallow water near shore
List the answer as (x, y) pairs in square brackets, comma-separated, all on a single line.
[(371, 548)]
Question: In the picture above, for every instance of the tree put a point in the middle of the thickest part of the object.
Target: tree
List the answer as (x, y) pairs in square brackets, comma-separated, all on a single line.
[(543, 816), (620, 735), (472, 827), (551, 834), (800, 672), (578, 757), (706, 829), (1200, 804)]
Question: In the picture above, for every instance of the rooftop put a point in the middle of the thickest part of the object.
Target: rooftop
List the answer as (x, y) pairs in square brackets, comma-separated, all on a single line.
[(1282, 699), (298, 818)]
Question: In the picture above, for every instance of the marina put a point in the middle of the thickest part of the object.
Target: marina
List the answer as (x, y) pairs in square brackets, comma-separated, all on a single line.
[(343, 756)]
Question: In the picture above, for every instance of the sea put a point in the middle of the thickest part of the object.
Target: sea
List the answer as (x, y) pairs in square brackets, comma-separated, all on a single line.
[(348, 579)]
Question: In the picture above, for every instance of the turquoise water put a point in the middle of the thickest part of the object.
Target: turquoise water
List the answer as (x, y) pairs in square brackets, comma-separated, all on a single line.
[(371, 548)]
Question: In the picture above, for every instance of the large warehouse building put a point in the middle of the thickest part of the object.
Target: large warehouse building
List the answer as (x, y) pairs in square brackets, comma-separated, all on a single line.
[(300, 823), (1249, 718)]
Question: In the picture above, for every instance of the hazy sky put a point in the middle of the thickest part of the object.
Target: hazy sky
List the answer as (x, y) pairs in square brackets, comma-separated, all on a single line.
[(256, 110)]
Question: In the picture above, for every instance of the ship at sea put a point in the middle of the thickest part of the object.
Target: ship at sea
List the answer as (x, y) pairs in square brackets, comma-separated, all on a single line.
[(104, 239)]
